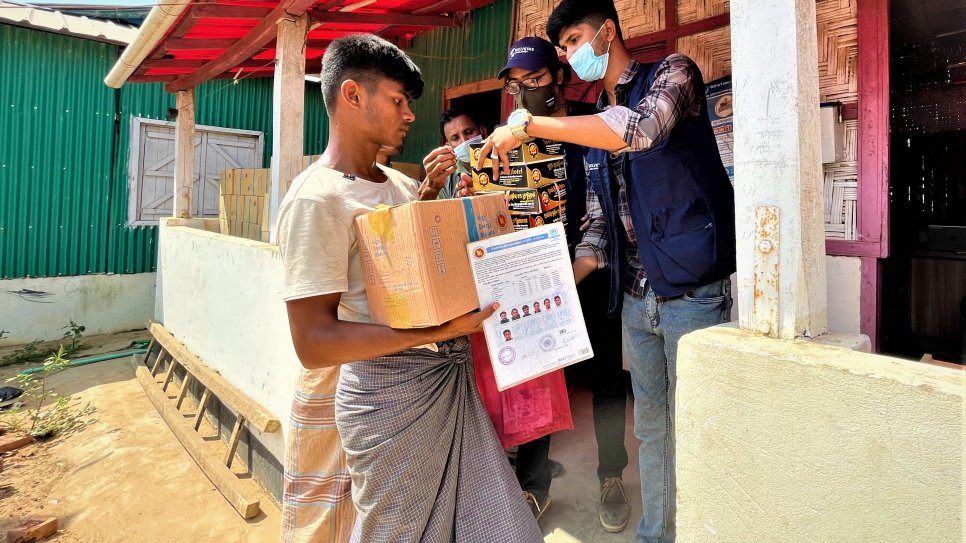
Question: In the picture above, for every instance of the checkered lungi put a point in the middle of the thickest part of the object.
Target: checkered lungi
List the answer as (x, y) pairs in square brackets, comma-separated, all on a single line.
[(426, 464), (316, 497)]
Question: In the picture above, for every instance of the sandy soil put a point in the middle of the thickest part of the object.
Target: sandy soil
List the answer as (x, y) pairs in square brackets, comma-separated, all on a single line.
[(123, 476)]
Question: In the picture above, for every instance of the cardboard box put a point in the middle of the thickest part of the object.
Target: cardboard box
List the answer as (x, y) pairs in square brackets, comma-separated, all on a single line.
[(551, 196), (557, 214), (525, 200), (538, 150), (414, 257), (523, 176)]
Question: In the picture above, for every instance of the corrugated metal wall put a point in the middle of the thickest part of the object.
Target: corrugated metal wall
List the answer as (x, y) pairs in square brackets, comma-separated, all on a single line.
[(451, 57), (64, 147)]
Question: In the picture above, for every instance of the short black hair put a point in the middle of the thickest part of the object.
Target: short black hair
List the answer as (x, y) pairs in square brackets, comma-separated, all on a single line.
[(573, 12), (450, 114), (366, 58)]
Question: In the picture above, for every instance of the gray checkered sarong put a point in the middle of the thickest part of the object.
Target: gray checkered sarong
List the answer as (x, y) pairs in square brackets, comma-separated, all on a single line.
[(426, 464)]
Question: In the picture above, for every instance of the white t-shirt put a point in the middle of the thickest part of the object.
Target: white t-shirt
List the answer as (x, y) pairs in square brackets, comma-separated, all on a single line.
[(317, 237)]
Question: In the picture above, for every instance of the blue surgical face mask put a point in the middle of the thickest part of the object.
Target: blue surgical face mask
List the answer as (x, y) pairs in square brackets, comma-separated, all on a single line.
[(587, 65), (463, 150)]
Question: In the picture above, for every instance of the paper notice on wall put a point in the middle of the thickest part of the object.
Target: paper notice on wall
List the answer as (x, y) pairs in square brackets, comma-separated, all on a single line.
[(720, 111), (539, 326)]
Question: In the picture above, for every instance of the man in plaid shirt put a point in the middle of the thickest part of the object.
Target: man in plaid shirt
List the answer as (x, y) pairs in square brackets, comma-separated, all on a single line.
[(660, 218)]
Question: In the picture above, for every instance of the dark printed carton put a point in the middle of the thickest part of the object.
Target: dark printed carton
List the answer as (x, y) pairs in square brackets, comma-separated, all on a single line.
[(538, 150), (557, 214), (523, 200), (551, 196)]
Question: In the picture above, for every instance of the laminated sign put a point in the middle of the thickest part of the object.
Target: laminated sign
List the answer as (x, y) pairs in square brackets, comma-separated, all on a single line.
[(539, 326)]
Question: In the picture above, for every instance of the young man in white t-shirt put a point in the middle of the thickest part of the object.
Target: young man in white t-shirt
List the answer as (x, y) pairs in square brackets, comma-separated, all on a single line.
[(424, 460)]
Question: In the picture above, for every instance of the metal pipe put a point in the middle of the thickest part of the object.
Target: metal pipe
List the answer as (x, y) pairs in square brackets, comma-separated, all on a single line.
[(89, 360)]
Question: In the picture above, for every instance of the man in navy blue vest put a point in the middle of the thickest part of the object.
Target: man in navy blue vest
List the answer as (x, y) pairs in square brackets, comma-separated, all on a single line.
[(662, 219), (537, 79)]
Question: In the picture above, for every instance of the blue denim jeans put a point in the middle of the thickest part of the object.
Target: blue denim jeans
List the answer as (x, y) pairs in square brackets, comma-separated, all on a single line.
[(651, 329)]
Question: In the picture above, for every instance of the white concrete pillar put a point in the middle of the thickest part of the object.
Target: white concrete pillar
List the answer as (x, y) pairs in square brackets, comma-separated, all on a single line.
[(778, 171), (288, 107), (184, 155)]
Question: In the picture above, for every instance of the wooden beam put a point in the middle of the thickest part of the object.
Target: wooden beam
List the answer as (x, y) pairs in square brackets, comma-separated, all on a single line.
[(227, 394), (394, 19), (244, 48), (175, 44), (288, 105), (223, 11), (184, 154), (199, 62), (231, 487), (473, 88)]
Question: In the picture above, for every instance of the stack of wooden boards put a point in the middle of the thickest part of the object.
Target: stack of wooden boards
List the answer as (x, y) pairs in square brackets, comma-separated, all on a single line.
[(164, 357)]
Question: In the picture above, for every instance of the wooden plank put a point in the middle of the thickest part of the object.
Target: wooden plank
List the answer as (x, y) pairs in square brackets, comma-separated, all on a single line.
[(233, 440), (243, 500), (12, 443), (288, 105), (244, 48), (184, 154), (184, 390), (170, 375), (32, 529), (202, 405), (157, 362), (396, 19), (473, 88), (227, 393)]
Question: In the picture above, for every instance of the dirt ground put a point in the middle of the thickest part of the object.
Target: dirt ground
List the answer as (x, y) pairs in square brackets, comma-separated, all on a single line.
[(123, 476)]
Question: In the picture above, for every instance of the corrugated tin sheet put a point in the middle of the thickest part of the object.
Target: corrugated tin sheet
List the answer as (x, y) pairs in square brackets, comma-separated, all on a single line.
[(64, 147), (56, 128), (62, 23), (455, 56)]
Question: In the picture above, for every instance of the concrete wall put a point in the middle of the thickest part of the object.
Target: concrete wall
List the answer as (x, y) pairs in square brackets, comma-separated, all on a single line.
[(793, 441), (39, 308), (219, 295), (844, 278)]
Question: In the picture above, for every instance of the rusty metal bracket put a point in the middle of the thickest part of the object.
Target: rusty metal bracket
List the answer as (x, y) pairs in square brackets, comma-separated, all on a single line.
[(765, 307)]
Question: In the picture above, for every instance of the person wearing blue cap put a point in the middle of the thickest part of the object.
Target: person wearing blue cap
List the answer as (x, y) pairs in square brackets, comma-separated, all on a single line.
[(537, 79), (662, 219)]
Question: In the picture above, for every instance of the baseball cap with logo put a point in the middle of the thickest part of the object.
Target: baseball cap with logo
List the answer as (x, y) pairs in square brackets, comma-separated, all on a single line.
[(531, 54)]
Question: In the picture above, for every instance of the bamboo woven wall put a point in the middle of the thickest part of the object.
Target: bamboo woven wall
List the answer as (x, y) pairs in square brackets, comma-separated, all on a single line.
[(638, 17), (841, 189), (837, 50), (690, 11), (710, 50)]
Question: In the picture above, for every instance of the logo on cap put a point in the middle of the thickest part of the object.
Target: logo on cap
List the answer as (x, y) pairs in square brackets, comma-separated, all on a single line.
[(515, 50)]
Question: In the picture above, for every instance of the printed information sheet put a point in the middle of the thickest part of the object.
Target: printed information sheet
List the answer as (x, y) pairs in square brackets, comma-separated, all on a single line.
[(539, 326)]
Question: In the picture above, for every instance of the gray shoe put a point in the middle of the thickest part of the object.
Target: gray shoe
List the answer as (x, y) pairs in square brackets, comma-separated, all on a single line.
[(613, 510), (537, 507)]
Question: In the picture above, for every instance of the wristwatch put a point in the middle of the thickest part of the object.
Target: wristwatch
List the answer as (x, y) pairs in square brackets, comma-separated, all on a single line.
[(518, 121)]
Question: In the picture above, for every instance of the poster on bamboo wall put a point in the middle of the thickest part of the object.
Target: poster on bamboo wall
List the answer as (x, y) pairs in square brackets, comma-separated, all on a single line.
[(721, 113)]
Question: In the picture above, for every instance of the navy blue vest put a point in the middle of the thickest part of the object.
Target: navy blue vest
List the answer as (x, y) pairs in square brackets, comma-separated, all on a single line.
[(681, 201)]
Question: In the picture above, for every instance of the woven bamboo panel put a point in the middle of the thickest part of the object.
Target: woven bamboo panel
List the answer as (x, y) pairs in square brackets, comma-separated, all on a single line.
[(837, 50), (637, 17), (690, 11), (710, 50), (841, 190)]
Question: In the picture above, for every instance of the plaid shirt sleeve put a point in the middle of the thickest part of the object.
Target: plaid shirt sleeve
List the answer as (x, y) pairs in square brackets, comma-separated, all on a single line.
[(670, 99), (595, 238)]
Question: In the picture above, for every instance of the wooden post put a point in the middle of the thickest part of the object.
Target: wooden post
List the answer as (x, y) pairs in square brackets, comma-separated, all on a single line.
[(288, 107), (184, 155), (778, 169)]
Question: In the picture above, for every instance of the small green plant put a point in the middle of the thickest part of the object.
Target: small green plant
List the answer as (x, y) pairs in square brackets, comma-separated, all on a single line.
[(74, 333), (31, 353), (44, 413)]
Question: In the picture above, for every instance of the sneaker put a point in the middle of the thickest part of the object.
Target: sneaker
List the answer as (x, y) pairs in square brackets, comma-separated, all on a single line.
[(556, 468), (613, 510), (537, 507)]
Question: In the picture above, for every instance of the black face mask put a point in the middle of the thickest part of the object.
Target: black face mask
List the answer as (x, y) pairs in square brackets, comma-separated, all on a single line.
[(541, 101)]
